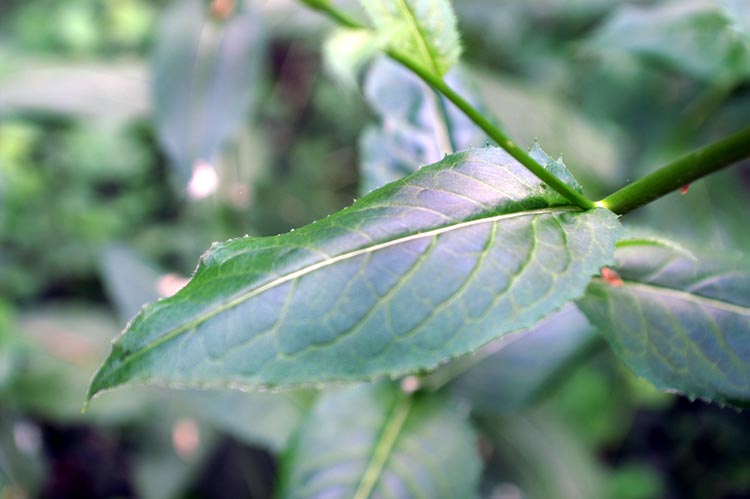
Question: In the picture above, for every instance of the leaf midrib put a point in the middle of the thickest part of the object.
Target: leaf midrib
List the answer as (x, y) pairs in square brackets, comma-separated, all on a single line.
[(414, 27), (386, 441), (685, 295), (325, 263)]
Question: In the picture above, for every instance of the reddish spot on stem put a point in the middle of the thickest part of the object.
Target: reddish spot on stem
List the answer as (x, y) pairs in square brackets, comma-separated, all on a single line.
[(684, 189), (611, 277)]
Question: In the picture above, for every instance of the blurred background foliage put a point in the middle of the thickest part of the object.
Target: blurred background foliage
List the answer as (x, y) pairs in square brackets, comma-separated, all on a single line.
[(133, 133)]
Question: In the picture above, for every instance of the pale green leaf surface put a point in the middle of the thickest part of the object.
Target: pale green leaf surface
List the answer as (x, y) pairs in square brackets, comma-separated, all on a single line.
[(346, 51), (374, 442), (204, 81), (693, 36), (93, 91), (542, 457), (130, 281), (425, 269), (423, 31), (682, 322), (738, 13), (515, 371), (416, 126)]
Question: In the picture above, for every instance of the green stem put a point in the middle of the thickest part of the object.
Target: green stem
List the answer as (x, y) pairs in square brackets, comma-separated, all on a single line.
[(680, 173), (438, 84), (494, 132), (341, 18)]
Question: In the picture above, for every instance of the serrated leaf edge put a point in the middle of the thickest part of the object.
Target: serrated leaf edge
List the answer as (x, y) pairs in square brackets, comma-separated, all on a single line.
[(317, 266)]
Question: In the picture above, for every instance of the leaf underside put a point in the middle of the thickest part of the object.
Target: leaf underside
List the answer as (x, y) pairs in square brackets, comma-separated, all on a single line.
[(692, 36), (417, 126), (682, 322), (200, 95), (425, 269), (372, 441), (518, 370)]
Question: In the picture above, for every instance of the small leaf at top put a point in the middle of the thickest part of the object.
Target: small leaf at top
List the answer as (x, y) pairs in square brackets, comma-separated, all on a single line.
[(423, 270), (678, 320), (373, 441), (423, 31)]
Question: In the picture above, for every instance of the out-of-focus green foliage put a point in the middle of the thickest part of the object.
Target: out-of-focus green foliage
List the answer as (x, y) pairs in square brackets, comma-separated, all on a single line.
[(81, 27), (70, 187)]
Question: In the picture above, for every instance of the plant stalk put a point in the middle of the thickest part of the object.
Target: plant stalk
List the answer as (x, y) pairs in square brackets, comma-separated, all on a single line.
[(679, 173), (439, 84), (653, 186), (341, 18), (494, 132)]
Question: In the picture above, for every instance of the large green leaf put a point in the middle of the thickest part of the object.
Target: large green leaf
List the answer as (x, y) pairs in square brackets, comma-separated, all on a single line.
[(425, 269), (204, 81), (680, 321), (423, 31), (417, 126), (373, 441)]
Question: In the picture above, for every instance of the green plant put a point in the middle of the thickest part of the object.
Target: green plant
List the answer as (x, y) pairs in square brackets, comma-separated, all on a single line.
[(429, 268)]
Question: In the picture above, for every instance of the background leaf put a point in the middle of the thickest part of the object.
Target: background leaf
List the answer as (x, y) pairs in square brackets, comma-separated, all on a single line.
[(679, 321), (738, 13), (374, 441), (423, 270), (267, 419), (346, 51), (691, 36), (59, 349), (555, 124), (130, 281), (423, 31), (517, 370), (86, 89), (534, 456), (417, 126), (200, 96)]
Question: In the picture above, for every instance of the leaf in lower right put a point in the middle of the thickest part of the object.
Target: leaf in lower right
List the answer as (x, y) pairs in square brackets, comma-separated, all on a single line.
[(678, 320)]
